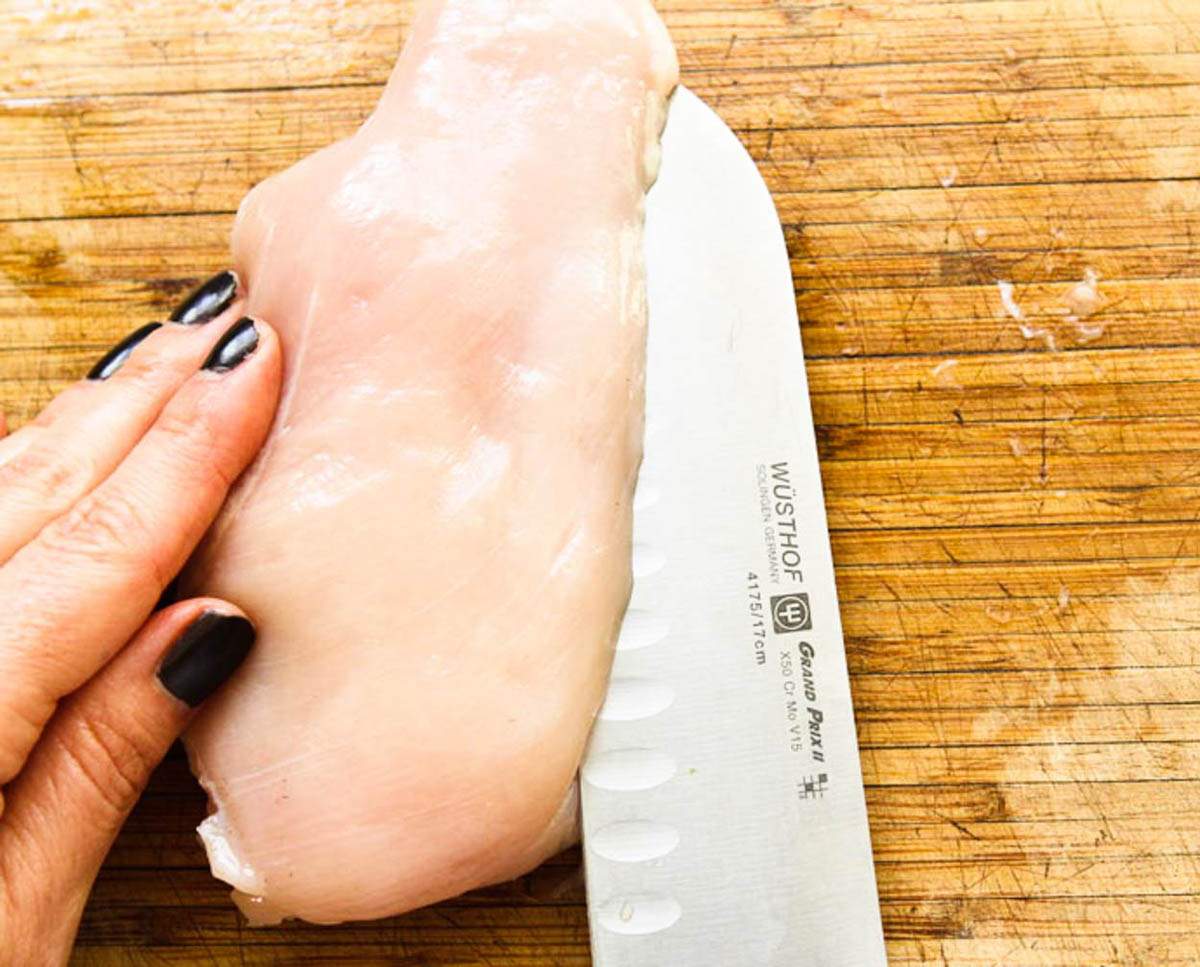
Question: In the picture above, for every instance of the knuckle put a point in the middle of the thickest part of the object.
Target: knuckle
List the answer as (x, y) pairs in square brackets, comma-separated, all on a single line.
[(112, 764), (186, 427), (106, 529), (48, 477), (197, 447)]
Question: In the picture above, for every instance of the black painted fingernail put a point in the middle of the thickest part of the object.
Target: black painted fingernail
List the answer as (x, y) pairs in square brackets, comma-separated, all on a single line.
[(233, 348), (208, 301), (115, 358), (210, 650)]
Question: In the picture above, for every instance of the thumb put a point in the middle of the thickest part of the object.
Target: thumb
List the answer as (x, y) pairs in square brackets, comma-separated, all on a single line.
[(95, 756)]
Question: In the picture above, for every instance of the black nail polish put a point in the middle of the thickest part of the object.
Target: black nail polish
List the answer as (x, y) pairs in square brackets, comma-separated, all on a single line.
[(210, 650), (208, 301), (115, 358), (233, 348)]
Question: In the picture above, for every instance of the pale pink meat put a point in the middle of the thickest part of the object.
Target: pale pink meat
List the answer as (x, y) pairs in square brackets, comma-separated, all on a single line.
[(435, 541)]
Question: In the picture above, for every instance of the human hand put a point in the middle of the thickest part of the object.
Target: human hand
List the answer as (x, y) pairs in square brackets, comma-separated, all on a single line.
[(102, 499)]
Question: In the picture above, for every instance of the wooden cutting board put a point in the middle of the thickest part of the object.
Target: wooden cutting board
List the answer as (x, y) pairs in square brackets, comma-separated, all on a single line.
[(1013, 502)]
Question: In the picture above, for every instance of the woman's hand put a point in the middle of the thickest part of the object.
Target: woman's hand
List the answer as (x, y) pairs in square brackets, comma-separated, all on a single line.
[(102, 499)]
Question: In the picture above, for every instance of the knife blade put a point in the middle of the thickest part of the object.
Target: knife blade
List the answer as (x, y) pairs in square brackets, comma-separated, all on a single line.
[(723, 811)]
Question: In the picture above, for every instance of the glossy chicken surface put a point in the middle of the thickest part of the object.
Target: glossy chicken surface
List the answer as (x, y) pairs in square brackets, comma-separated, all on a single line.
[(435, 541)]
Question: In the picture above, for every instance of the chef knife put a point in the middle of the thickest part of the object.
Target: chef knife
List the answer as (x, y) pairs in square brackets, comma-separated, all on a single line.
[(723, 810)]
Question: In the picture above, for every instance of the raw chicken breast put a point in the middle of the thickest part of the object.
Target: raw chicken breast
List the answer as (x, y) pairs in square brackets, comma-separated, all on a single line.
[(435, 541)]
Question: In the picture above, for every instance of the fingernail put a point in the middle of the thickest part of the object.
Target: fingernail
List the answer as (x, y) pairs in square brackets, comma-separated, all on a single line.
[(115, 358), (208, 301), (233, 348), (210, 650)]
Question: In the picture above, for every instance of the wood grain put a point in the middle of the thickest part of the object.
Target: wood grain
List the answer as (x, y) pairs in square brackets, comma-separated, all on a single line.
[(1014, 518)]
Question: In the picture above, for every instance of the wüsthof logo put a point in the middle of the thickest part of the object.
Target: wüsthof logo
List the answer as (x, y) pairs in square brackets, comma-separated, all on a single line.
[(789, 612)]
